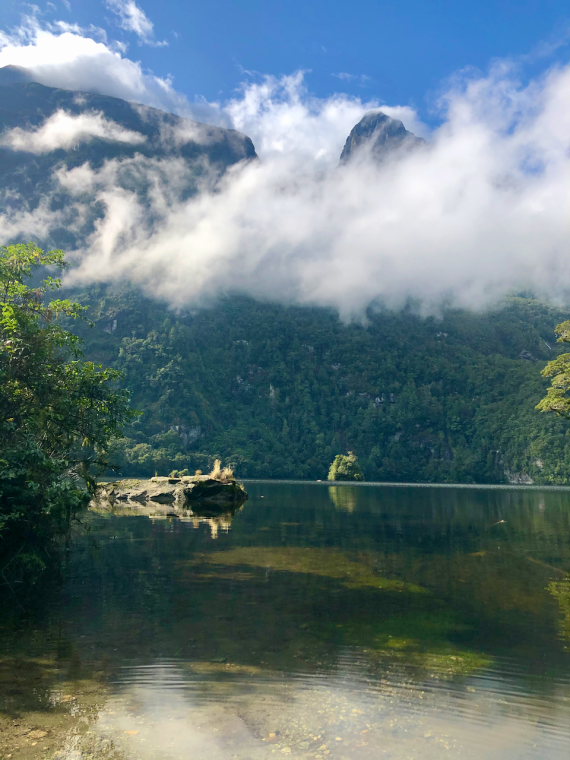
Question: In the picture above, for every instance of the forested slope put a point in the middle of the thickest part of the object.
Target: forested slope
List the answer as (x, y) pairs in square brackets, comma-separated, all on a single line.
[(280, 390)]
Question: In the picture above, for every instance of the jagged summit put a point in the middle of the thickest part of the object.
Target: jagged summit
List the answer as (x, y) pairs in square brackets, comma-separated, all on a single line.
[(380, 134), (14, 75)]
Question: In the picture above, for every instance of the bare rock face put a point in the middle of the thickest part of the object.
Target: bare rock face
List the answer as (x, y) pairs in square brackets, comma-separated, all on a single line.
[(211, 491), (379, 135)]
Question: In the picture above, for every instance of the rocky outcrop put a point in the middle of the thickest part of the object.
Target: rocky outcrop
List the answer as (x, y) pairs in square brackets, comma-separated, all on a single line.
[(518, 478), (209, 495), (379, 135)]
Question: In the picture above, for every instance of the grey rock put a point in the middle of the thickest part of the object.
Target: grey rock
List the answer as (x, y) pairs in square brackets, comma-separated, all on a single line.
[(199, 494), (381, 136), (138, 495), (162, 495)]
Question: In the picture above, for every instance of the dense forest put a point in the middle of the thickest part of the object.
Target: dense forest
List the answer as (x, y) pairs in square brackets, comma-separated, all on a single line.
[(57, 411), (279, 391)]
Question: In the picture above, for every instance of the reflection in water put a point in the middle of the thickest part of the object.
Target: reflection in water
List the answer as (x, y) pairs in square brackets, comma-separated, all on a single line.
[(560, 590), (344, 497), (407, 623), (215, 523), (216, 520), (212, 517)]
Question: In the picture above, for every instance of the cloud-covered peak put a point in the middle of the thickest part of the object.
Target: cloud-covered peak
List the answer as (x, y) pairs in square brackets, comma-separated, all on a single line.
[(475, 214), (380, 136), (73, 60)]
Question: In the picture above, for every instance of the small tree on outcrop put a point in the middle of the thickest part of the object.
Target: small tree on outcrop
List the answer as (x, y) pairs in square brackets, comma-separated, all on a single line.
[(345, 467)]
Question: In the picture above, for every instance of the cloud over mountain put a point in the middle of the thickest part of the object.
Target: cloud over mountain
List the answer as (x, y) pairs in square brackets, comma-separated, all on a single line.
[(477, 213), (64, 131), (72, 59), (481, 210)]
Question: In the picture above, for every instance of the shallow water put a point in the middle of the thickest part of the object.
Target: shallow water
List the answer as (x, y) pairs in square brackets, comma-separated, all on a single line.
[(353, 622)]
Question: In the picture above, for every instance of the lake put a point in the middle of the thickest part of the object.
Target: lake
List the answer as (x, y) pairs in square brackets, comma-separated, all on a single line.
[(355, 622)]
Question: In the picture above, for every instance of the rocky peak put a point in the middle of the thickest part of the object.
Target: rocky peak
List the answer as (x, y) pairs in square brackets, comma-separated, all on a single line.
[(380, 135)]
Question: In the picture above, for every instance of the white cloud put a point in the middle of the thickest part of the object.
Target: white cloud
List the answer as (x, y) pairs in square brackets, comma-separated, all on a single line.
[(64, 131), (72, 60), (478, 213), (134, 19), (283, 118), (362, 80), (28, 224)]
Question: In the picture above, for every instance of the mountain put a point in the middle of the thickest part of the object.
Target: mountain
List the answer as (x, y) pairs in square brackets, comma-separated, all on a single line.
[(14, 75), (45, 132), (379, 136), (277, 390)]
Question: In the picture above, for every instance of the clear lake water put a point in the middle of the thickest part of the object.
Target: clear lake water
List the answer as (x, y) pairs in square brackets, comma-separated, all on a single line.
[(350, 622)]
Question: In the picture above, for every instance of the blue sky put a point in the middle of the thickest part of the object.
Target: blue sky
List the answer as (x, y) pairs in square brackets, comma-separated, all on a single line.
[(399, 53)]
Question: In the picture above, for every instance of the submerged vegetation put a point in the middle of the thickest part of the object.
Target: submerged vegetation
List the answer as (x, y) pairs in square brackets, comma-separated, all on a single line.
[(58, 411)]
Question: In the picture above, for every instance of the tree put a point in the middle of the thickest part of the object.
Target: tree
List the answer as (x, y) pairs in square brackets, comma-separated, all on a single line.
[(345, 467), (557, 399), (57, 412)]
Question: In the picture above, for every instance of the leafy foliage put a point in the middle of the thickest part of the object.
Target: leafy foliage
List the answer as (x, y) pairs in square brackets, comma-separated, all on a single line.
[(557, 397), (345, 467), (278, 391), (57, 411)]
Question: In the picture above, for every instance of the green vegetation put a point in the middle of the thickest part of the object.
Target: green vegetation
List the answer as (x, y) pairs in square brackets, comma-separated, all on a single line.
[(397, 620), (557, 398), (57, 411), (278, 391), (326, 563), (345, 467)]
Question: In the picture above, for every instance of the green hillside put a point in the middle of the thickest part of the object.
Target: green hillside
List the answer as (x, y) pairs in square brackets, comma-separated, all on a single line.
[(279, 391)]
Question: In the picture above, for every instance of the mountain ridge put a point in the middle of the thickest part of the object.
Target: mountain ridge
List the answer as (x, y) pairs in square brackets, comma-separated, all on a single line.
[(108, 129)]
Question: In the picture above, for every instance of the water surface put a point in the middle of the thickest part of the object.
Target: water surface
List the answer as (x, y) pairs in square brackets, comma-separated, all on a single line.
[(355, 622)]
